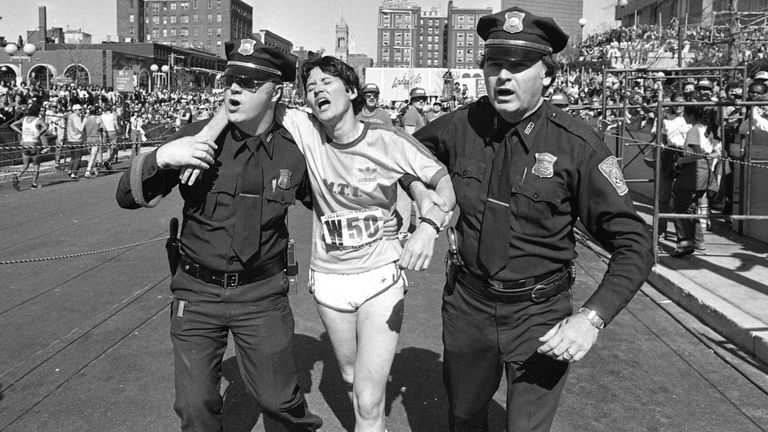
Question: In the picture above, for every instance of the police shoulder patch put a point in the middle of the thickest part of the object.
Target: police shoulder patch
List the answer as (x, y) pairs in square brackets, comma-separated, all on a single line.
[(611, 170)]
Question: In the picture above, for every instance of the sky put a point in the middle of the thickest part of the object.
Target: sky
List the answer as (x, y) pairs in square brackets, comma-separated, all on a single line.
[(307, 23)]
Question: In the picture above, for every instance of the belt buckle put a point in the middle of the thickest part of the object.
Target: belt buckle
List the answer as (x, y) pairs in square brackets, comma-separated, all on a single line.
[(534, 297), (231, 280)]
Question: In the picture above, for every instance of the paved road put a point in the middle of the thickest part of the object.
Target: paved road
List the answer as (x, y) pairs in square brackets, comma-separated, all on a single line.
[(84, 343)]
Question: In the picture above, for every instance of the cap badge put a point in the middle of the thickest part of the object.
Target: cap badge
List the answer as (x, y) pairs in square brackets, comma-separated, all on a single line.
[(246, 46), (514, 22), (544, 166)]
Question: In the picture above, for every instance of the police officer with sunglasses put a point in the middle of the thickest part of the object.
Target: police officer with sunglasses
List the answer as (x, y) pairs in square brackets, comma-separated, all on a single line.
[(229, 269)]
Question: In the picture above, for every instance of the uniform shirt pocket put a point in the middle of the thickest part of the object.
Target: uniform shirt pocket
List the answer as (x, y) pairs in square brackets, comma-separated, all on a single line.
[(220, 201), (538, 207), (467, 178)]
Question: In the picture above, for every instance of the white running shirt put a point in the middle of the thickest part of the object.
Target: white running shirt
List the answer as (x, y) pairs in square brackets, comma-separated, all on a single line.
[(354, 189)]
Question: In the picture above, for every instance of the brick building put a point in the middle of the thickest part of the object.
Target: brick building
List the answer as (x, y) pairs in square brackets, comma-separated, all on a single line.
[(200, 24), (566, 14)]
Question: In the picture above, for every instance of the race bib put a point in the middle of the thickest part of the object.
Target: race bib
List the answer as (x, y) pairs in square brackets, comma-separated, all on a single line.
[(352, 229)]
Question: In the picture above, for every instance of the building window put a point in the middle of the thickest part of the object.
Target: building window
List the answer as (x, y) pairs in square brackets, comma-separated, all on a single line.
[(156, 19), (194, 33), (218, 17), (385, 21), (194, 18), (155, 7), (210, 18), (184, 19), (194, 4), (130, 18), (165, 32), (173, 6), (131, 31), (218, 4), (218, 31), (173, 19), (173, 31), (184, 6), (210, 4), (210, 31), (184, 31), (385, 43)]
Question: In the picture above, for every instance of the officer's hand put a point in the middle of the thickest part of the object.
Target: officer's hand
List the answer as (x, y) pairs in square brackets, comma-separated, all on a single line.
[(188, 175), (427, 198), (417, 252), (186, 152), (570, 340)]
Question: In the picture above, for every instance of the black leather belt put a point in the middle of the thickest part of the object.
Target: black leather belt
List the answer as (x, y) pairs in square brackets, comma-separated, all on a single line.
[(535, 289), (233, 279)]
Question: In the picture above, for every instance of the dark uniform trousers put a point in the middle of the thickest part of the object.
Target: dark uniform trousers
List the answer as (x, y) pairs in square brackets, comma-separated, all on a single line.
[(260, 319), (482, 339)]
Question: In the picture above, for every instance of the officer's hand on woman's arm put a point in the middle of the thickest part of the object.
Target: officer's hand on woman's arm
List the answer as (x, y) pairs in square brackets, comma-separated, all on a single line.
[(186, 152), (418, 250), (570, 340), (426, 198), (210, 132)]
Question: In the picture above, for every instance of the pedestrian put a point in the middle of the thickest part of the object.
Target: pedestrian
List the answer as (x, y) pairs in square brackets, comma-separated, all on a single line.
[(111, 124), (31, 127), (75, 128), (524, 173), (371, 112), (436, 112), (414, 119), (356, 272), (93, 131), (234, 239)]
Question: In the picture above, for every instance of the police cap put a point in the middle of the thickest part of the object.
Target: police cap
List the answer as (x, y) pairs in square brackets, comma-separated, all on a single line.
[(704, 84), (761, 75), (519, 35), (370, 88), (249, 58)]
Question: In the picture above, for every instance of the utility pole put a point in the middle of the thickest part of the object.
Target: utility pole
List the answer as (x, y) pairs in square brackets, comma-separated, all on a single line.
[(734, 34)]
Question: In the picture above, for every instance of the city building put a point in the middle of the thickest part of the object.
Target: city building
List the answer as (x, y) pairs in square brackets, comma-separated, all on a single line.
[(341, 48), (410, 37), (566, 13), (77, 37), (464, 47), (200, 24)]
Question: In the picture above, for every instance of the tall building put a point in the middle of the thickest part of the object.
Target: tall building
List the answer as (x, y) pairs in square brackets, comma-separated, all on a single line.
[(463, 46), (201, 24), (341, 50), (396, 33), (566, 13), (410, 37), (692, 12)]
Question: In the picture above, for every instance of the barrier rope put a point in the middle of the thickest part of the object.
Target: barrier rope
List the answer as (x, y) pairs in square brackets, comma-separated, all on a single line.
[(688, 152), (80, 254)]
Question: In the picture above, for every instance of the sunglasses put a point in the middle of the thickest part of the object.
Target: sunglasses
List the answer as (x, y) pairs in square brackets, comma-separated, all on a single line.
[(248, 84), (371, 96), (419, 99)]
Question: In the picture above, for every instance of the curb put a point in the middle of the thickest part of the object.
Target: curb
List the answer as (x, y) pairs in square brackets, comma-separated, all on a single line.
[(742, 329)]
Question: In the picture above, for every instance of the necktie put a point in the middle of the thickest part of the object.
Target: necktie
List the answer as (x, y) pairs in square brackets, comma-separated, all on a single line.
[(494, 229), (247, 233)]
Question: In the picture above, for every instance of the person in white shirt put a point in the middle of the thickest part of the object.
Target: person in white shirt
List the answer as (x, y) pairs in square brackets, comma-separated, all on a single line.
[(111, 126)]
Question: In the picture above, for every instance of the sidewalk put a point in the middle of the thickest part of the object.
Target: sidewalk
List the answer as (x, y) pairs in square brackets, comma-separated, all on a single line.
[(724, 286)]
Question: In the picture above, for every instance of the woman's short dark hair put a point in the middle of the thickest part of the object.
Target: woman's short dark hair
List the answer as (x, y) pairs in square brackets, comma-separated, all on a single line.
[(335, 67)]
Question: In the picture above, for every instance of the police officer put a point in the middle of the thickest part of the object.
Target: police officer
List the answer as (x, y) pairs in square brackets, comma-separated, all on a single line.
[(523, 173), (230, 276), (371, 112)]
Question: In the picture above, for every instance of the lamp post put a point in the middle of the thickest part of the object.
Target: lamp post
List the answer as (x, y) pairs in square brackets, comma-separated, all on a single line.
[(154, 70), (28, 50), (167, 73)]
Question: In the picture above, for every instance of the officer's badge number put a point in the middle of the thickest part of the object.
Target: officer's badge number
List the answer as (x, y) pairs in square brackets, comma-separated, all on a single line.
[(352, 229)]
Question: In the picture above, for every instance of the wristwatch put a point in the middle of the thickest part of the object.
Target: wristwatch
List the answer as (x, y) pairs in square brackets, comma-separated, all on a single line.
[(593, 317)]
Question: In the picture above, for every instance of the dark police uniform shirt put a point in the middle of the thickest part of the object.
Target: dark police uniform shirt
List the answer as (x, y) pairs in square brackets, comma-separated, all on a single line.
[(561, 171), (209, 205)]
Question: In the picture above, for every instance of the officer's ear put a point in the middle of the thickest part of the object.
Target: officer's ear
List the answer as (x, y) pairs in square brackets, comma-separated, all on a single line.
[(277, 92), (547, 81)]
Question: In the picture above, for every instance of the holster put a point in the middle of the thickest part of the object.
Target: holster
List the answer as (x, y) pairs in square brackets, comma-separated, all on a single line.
[(173, 246), (453, 261)]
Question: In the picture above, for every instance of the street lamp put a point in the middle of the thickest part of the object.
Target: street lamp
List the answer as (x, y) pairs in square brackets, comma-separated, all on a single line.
[(154, 70), (28, 50), (167, 71)]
